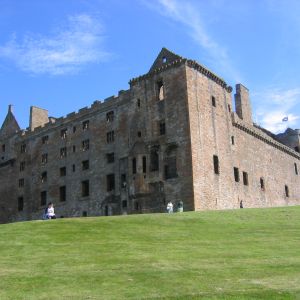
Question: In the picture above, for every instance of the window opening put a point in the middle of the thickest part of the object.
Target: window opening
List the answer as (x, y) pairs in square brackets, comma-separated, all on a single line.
[(216, 164), (43, 198), (110, 116), (44, 177), (20, 203), (62, 193), (296, 168), (63, 171), (85, 164), (236, 174), (160, 89), (262, 184), (85, 145), (110, 157), (85, 125), (162, 127), (144, 164), (134, 166), (213, 101), (63, 134), (245, 178), (85, 188), (286, 188), (110, 137), (110, 182)]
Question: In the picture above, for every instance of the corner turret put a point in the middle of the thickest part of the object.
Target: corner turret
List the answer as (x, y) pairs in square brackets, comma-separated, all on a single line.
[(242, 104)]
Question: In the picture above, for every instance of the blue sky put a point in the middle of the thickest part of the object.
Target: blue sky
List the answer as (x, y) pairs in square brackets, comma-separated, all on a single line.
[(62, 55)]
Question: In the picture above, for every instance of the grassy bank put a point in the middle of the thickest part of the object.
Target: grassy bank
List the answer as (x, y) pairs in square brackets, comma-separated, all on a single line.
[(240, 254)]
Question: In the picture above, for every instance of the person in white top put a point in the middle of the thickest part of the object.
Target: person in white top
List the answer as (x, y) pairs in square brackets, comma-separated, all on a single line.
[(170, 207), (50, 211)]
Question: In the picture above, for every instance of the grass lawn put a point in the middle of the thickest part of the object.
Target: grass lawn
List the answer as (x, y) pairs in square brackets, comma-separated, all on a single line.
[(236, 254)]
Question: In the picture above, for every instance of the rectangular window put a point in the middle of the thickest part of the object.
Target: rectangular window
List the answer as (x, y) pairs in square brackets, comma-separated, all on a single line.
[(86, 125), (85, 164), (229, 108), (154, 159), (296, 168), (44, 177), (63, 134), (110, 157), (110, 182), (144, 164), (286, 188), (43, 198), (110, 137), (236, 174), (245, 178), (216, 164), (3, 148), (123, 181), (162, 128), (21, 182), (134, 166), (85, 145), (85, 188), (262, 184), (63, 171), (213, 101), (74, 148), (63, 152), (22, 166), (170, 167), (232, 140), (20, 203), (23, 148), (124, 204), (62, 193), (45, 139), (74, 129), (160, 90), (110, 116), (44, 158), (73, 168)]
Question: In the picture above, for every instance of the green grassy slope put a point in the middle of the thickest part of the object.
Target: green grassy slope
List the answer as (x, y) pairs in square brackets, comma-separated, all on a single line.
[(240, 254)]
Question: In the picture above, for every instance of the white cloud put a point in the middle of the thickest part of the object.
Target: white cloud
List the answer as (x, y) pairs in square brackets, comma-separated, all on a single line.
[(70, 47), (187, 14), (274, 105)]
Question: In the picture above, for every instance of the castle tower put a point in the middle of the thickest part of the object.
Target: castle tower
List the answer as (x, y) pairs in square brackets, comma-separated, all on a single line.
[(10, 125)]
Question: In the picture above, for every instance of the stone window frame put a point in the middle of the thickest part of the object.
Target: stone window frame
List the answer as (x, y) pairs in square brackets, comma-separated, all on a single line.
[(63, 133), (110, 137), (44, 158), (45, 139), (85, 165), (85, 188), (245, 178), (23, 148), (213, 101), (85, 145), (110, 116), (44, 176), (110, 157), (286, 190), (62, 193), (21, 182), (43, 198), (62, 171), (216, 165), (236, 174), (20, 203), (86, 125), (110, 182), (63, 152), (22, 166)]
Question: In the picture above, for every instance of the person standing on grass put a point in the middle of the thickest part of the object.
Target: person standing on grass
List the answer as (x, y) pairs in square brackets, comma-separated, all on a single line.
[(170, 207), (50, 211)]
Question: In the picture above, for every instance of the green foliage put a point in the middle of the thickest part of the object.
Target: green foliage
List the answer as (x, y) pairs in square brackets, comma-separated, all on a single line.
[(237, 254)]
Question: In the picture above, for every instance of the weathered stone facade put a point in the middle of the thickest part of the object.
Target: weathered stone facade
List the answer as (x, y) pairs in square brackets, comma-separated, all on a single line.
[(172, 136)]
